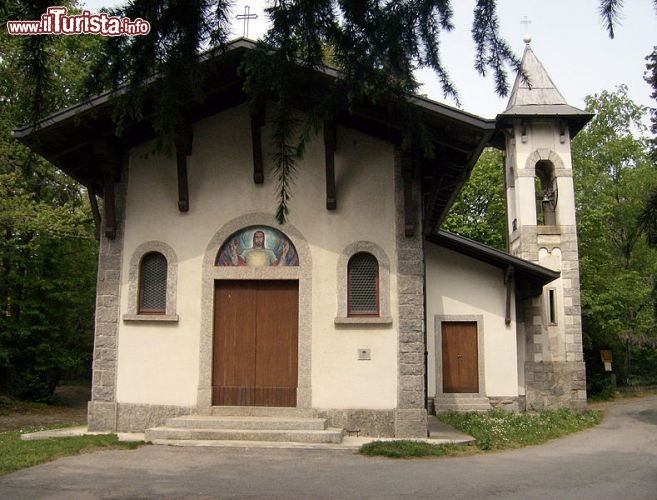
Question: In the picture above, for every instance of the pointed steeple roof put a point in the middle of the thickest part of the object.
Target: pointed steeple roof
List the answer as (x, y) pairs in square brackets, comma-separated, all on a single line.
[(538, 96)]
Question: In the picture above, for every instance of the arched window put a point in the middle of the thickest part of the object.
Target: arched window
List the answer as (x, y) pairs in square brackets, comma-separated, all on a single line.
[(363, 285), (153, 284), (546, 193)]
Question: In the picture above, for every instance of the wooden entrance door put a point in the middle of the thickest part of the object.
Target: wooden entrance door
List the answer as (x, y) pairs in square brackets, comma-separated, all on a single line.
[(255, 343), (460, 356)]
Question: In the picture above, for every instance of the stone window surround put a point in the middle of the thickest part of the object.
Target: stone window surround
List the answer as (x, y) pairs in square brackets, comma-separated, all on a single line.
[(133, 280), (384, 317), (439, 319), (211, 273)]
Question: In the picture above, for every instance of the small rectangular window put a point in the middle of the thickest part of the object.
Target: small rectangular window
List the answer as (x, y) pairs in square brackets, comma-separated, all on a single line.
[(552, 306)]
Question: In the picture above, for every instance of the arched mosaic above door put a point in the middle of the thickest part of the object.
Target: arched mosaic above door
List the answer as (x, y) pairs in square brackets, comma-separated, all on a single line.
[(257, 246)]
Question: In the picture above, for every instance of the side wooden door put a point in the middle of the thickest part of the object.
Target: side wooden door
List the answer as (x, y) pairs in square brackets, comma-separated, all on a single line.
[(255, 359), (460, 357)]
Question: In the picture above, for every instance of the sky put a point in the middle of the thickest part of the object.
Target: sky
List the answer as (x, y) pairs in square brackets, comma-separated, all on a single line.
[(567, 37)]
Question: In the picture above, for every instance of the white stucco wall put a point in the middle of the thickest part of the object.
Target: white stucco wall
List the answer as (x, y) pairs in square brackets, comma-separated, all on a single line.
[(159, 363), (461, 286)]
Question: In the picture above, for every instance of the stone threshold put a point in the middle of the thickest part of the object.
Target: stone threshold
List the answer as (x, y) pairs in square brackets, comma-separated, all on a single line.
[(349, 443)]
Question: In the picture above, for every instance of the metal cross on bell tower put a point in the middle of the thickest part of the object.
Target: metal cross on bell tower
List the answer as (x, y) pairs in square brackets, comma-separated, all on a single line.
[(527, 38), (246, 17)]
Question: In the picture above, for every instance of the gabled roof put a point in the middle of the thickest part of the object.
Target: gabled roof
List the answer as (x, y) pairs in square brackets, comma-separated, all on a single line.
[(534, 94), (67, 138), (529, 277)]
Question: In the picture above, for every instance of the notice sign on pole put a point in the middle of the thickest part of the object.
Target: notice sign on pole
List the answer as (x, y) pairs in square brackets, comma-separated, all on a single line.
[(606, 359)]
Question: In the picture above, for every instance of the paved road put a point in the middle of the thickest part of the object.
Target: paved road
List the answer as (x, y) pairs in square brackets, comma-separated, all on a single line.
[(618, 459)]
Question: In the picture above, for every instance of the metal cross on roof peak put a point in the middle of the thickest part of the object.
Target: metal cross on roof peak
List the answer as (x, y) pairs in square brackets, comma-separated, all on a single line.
[(247, 16), (527, 38)]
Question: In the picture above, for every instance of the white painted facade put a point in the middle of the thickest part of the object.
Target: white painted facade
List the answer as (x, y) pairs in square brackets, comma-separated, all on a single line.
[(158, 362), (460, 288)]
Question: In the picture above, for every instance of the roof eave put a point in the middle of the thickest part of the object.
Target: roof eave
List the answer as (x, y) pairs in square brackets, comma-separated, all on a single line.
[(530, 277)]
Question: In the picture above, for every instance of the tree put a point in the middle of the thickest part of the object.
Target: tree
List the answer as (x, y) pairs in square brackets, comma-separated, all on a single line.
[(376, 45), (610, 11), (479, 212), (648, 217), (47, 246), (613, 177), (651, 78)]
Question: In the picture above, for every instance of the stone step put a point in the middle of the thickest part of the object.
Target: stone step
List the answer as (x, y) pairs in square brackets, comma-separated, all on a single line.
[(263, 411), (247, 422), (461, 403), (331, 435), (460, 395), (458, 407)]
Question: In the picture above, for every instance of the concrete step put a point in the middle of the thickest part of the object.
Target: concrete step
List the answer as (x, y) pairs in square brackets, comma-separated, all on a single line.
[(247, 422), (331, 435), (263, 411)]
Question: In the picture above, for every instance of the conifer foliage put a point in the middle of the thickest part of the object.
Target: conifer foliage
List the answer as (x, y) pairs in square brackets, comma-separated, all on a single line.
[(376, 45), (47, 245)]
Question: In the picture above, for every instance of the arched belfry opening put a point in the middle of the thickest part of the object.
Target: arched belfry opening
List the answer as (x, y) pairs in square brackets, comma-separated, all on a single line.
[(547, 194)]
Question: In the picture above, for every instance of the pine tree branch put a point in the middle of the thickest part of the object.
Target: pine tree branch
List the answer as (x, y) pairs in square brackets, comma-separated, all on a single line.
[(610, 11)]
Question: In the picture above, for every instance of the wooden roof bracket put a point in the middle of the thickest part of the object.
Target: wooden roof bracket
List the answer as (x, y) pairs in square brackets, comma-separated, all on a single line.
[(183, 140), (508, 281), (110, 205), (257, 122), (430, 198), (410, 205), (95, 212), (110, 165), (330, 145)]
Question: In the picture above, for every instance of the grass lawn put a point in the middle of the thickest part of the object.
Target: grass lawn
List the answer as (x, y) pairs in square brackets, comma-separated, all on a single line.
[(493, 430), (16, 454), (18, 417), (405, 448)]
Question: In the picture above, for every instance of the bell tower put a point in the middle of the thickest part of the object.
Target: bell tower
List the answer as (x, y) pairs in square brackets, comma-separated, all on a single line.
[(538, 126)]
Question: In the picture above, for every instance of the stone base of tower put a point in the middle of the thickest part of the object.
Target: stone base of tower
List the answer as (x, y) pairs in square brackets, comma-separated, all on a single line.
[(555, 385)]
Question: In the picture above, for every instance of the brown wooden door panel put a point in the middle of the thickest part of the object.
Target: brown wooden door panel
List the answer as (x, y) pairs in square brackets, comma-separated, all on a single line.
[(255, 343), (223, 395), (276, 343), (460, 357), (233, 375)]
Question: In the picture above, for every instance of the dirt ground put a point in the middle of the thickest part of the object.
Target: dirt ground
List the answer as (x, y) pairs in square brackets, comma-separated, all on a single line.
[(71, 409)]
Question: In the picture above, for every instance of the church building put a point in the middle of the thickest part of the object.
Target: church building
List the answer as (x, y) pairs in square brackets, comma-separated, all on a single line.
[(213, 321)]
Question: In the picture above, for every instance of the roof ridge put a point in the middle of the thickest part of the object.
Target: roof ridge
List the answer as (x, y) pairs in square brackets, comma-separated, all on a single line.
[(533, 85)]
